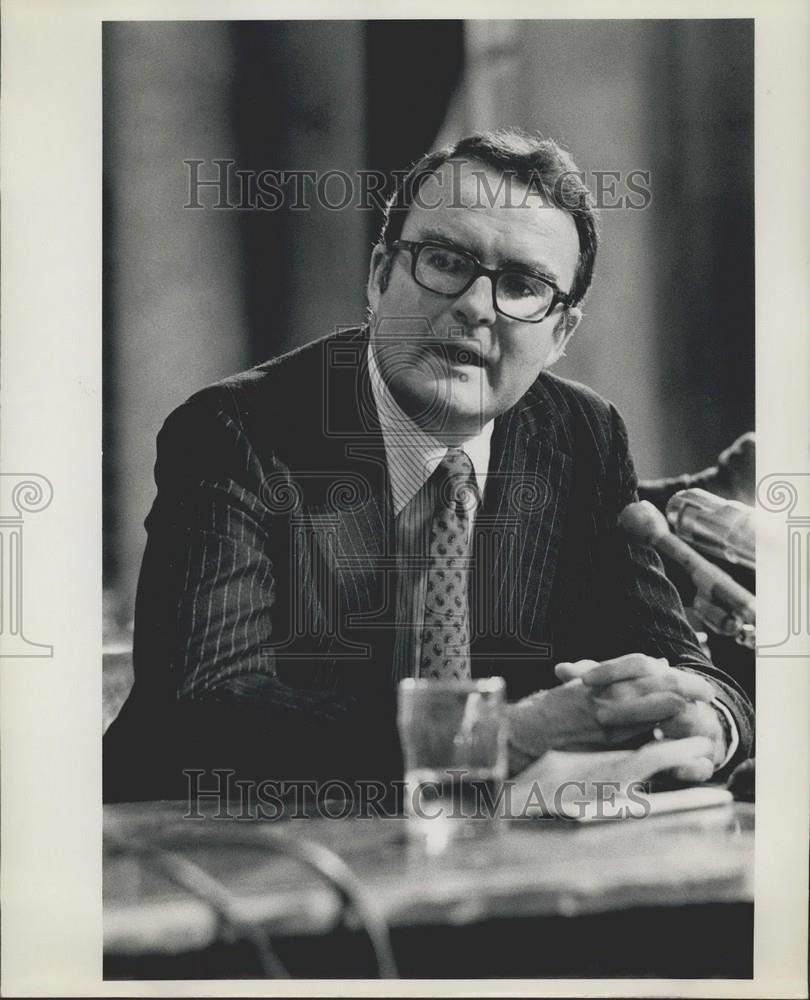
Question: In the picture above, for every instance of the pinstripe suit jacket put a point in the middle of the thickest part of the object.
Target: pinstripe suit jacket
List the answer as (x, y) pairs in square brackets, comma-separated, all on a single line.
[(265, 617)]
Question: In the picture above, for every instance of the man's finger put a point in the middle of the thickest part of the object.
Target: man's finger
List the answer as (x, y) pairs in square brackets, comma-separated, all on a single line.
[(623, 668), (688, 685), (699, 770), (693, 685), (668, 754), (616, 735), (696, 719), (648, 708), (571, 671)]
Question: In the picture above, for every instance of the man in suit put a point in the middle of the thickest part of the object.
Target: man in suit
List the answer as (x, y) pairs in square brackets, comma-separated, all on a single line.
[(419, 496)]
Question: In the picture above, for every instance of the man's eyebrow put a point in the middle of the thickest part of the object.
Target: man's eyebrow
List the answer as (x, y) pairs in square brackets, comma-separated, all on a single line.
[(541, 272), (437, 236)]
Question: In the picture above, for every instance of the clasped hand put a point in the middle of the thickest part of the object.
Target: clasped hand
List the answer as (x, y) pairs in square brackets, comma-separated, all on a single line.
[(601, 706)]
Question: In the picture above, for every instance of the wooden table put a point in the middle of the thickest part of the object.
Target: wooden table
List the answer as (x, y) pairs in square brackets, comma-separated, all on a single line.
[(553, 874)]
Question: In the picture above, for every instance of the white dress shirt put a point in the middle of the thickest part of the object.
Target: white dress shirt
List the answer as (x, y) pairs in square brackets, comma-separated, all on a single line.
[(411, 453)]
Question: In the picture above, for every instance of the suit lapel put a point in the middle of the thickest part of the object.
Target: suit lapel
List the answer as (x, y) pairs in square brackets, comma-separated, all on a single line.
[(519, 529), (351, 517), (363, 553)]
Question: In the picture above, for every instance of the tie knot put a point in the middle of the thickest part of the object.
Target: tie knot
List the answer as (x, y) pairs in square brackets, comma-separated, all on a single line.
[(457, 486), (457, 462)]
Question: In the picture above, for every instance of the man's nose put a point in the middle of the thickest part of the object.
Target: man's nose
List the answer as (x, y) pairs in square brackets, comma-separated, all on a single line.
[(475, 307)]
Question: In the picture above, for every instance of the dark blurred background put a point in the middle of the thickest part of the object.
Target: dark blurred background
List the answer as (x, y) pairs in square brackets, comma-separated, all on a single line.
[(193, 295)]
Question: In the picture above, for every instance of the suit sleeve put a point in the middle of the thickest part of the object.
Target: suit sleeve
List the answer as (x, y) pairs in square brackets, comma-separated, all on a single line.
[(641, 609), (206, 693)]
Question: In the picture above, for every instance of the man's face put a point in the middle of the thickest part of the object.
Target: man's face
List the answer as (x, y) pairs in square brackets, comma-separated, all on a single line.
[(454, 363)]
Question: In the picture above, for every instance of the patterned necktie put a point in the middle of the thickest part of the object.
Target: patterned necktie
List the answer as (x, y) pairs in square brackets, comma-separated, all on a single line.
[(445, 647)]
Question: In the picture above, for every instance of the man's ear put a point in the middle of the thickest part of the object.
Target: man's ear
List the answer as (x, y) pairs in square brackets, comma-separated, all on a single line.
[(567, 322), (378, 266)]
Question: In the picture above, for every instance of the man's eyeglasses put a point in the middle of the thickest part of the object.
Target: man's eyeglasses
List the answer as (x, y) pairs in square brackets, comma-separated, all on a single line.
[(449, 270)]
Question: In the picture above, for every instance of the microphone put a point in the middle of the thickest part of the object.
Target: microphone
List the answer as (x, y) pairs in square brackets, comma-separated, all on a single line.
[(646, 525), (718, 527)]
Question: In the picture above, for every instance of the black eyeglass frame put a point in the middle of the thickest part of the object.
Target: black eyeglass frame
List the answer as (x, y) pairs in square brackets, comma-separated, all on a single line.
[(494, 275)]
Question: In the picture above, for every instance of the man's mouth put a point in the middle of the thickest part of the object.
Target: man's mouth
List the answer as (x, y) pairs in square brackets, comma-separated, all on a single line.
[(457, 354)]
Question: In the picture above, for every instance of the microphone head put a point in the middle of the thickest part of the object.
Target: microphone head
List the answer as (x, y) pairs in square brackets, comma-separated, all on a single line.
[(643, 523), (719, 527)]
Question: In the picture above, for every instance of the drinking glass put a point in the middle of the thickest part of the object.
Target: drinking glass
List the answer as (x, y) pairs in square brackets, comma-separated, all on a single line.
[(454, 741)]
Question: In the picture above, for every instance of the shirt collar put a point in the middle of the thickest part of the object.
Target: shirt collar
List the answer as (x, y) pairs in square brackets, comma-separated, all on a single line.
[(411, 453)]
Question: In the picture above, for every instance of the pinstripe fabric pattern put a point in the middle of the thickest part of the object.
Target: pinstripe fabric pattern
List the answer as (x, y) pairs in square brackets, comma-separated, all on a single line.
[(412, 530), (269, 577)]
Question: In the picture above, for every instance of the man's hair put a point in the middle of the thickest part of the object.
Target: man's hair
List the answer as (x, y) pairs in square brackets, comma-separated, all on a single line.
[(539, 163)]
